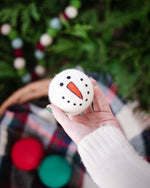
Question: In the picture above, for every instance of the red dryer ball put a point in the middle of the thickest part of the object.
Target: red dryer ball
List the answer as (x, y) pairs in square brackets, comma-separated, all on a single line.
[(27, 153)]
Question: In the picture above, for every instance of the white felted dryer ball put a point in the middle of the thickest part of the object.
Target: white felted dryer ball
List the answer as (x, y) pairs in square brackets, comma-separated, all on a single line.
[(72, 91), (39, 54), (17, 43), (5, 29), (19, 63), (40, 70), (26, 78), (55, 23), (46, 40), (71, 12)]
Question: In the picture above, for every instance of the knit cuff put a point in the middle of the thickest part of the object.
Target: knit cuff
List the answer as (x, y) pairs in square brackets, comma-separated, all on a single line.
[(111, 160), (104, 141), (105, 144)]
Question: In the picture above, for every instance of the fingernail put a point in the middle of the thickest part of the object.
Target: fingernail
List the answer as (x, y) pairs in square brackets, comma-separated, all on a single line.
[(49, 109), (93, 81)]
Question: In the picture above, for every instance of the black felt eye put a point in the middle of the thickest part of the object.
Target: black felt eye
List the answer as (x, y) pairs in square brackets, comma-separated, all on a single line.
[(61, 84), (88, 92), (81, 79), (68, 77), (86, 85)]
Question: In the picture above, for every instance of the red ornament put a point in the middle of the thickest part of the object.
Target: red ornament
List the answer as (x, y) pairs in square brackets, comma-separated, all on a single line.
[(34, 76), (40, 46), (18, 52), (27, 153), (65, 16)]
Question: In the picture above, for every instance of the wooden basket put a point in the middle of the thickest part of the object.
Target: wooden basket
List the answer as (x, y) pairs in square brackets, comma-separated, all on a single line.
[(32, 91)]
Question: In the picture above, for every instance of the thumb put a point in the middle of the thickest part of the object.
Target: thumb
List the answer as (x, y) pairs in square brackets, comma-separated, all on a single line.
[(61, 117), (69, 126)]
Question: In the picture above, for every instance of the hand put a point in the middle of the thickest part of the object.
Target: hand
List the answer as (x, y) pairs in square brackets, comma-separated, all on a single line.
[(78, 126)]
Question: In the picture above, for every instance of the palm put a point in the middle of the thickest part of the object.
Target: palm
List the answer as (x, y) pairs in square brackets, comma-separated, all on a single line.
[(95, 119), (83, 125)]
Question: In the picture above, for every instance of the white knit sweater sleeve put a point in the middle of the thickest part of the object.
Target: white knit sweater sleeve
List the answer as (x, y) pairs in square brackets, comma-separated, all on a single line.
[(111, 160)]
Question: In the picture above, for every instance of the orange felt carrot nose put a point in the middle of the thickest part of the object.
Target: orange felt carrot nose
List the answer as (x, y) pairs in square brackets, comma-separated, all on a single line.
[(72, 87)]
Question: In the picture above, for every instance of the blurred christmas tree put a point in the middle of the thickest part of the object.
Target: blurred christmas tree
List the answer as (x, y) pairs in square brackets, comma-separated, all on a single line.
[(107, 36)]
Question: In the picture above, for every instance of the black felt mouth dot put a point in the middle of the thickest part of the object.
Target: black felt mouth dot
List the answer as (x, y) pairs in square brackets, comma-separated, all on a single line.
[(68, 101), (61, 84), (74, 104), (81, 79), (86, 99), (63, 97), (80, 104), (86, 85), (88, 92)]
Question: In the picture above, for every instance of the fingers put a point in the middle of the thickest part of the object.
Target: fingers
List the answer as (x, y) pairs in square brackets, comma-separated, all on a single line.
[(95, 103), (93, 81), (99, 102)]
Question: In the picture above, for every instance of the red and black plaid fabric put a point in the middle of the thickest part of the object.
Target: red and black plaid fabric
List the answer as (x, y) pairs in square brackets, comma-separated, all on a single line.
[(18, 122)]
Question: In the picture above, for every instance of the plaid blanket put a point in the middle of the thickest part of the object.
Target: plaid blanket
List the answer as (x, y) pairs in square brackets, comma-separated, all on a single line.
[(27, 120), (18, 122)]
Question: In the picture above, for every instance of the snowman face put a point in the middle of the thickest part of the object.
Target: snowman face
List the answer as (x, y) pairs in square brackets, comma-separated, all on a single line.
[(72, 91)]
